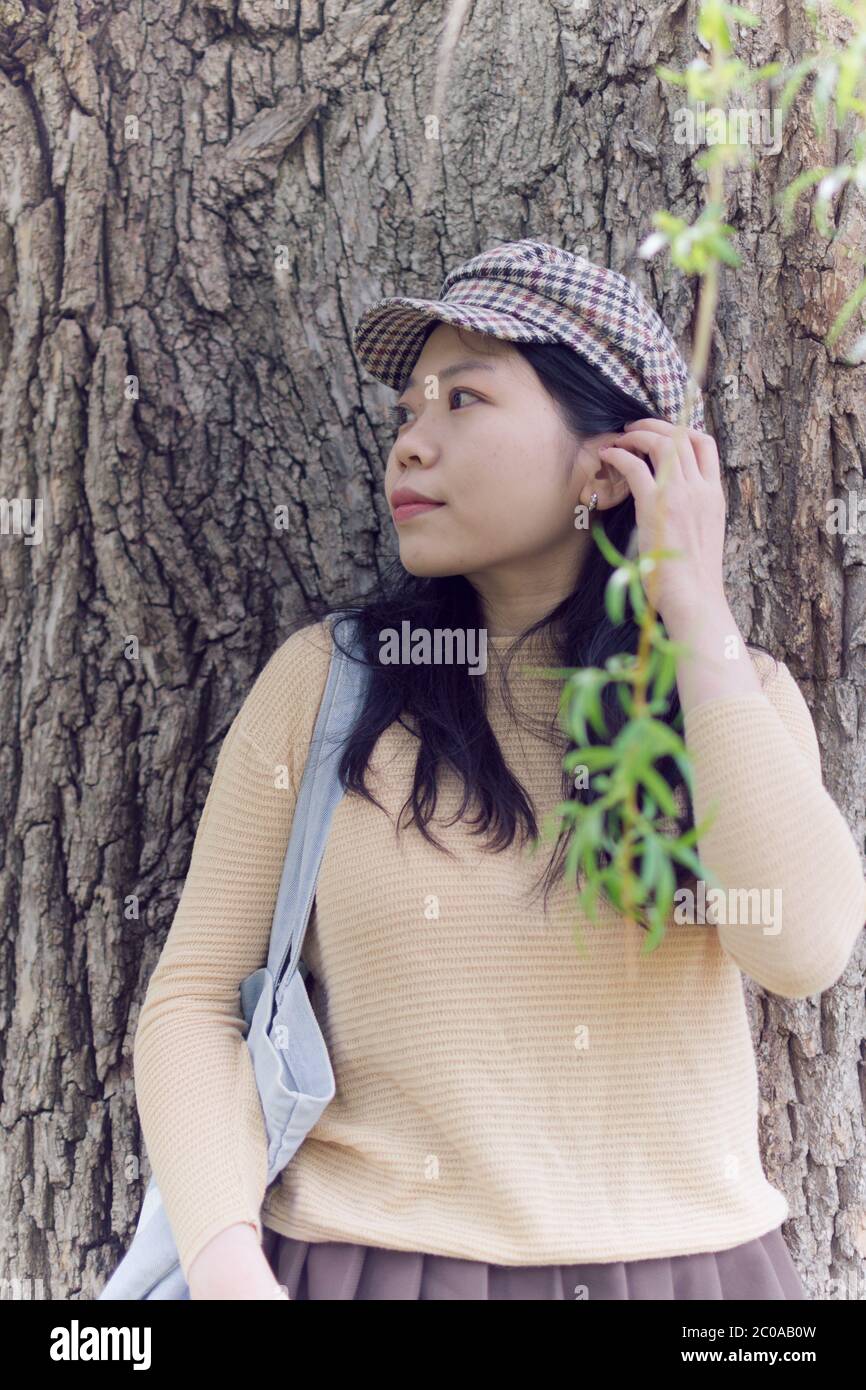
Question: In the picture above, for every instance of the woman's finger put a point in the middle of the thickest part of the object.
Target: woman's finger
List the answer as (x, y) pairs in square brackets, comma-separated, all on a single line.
[(661, 444), (636, 472), (703, 445)]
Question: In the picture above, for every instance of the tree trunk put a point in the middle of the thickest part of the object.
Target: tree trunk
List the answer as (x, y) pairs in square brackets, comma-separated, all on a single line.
[(194, 213)]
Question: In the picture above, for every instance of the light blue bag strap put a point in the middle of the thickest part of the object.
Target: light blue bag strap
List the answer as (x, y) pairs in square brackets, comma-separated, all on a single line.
[(320, 791), (150, 1268)]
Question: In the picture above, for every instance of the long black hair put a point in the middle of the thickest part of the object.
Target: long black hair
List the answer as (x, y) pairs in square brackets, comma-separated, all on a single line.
[(445, 705)]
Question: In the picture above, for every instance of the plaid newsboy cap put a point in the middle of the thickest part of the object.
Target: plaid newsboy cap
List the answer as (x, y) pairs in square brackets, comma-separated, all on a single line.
[(531, 292)]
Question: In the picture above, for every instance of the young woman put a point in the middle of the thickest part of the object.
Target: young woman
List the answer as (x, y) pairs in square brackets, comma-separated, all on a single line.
[(512, 1119)]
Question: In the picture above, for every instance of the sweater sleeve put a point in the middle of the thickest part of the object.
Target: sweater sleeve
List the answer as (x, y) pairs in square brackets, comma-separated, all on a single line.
[(195, 1087), (776, 828)]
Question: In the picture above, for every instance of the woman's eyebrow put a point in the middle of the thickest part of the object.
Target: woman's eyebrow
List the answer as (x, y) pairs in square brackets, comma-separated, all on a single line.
[(468, 364)]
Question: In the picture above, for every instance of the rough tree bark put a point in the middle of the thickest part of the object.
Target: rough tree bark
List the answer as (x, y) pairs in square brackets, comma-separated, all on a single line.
[(197, 202)]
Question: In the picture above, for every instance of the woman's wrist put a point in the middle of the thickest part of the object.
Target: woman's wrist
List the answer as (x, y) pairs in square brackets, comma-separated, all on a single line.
[(241, 1235), (233, 1265)]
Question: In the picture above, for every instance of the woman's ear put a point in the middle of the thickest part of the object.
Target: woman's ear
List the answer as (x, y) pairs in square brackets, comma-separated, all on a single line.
[(611, 485), (599, 475)]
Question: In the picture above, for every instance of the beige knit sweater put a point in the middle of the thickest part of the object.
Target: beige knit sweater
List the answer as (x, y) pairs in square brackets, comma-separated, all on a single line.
[(499, 1096)]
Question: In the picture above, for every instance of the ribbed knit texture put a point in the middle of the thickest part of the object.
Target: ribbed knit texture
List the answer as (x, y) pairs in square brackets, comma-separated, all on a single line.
[(499, 1096)]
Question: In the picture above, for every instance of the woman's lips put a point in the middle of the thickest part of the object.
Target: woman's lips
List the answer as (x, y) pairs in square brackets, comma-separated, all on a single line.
[(407, 510)]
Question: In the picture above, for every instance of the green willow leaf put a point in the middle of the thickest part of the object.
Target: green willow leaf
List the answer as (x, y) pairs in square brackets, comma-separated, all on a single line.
[(686, 857), (625, 700), (651, 860), (607, 548), (638, 598), (662, 792), (596, 714), (667, 885), (575, 723), (614, 596), (640, 892), (657, 925), (648, 814), (665, 676), (591, 757)]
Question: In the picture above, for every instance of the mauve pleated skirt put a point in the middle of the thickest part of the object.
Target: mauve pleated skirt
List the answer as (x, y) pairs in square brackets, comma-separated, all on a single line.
[(760, 1269)]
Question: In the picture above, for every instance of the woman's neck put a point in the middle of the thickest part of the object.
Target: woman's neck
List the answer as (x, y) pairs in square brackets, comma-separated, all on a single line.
[(513, 598)]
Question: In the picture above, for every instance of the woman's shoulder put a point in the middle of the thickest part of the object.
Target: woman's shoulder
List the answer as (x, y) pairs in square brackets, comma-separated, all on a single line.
[(285, 698), (312, 644)]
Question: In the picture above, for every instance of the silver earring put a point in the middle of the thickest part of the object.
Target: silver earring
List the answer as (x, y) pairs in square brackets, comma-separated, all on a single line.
[(593, 502)]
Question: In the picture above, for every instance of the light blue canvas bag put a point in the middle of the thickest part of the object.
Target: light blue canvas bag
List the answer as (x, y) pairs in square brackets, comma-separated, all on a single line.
[(292, 1067)]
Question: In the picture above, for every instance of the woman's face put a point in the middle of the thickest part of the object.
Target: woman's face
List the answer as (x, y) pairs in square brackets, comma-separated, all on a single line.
[(492, 448)]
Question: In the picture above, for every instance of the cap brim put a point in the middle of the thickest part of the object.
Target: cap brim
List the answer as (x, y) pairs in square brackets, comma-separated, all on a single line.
[(388, 336)]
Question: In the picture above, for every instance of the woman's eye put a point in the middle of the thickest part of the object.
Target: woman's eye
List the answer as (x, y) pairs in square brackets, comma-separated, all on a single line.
[(399, 412)]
